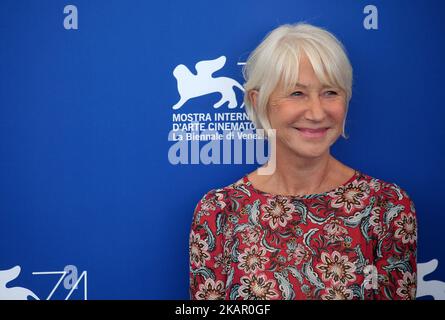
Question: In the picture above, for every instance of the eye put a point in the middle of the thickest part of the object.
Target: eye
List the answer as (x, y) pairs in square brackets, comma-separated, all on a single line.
[(296, 94), (331, 93)]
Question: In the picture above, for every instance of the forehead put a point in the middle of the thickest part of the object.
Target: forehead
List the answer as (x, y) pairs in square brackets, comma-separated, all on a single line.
[(302, 70), (306, 73), (308, 77)]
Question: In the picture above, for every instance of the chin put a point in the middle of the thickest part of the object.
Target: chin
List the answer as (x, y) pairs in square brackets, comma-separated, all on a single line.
[(306, 151), (310, 153)]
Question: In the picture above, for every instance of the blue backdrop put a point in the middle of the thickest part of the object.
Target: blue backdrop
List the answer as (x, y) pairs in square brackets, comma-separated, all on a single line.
[(86, 182)]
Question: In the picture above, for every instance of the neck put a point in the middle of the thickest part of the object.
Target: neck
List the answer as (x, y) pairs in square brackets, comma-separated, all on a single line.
[(296, 175)]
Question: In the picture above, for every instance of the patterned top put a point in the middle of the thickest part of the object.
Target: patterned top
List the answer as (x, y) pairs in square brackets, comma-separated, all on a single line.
[(357, 241)]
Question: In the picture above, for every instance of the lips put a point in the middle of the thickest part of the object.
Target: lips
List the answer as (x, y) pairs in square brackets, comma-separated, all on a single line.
[(312, 132)]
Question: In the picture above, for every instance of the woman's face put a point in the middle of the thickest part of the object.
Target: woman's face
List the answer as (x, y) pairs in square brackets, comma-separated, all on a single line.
[(309, 106)]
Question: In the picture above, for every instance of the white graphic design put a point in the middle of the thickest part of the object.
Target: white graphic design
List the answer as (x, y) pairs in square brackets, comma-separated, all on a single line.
[(434, 288), (14, 293), (202, 83), (71, 281), (69, 276)]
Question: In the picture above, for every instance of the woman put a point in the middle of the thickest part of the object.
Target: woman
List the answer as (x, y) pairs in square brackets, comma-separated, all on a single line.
[(314, 228)]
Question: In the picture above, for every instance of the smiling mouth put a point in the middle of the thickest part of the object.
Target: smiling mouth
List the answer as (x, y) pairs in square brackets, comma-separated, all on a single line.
[(312, 133), (312, 130)]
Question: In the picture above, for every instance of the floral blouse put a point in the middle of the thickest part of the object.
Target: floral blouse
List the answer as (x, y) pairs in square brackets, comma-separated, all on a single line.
[(357, 241)]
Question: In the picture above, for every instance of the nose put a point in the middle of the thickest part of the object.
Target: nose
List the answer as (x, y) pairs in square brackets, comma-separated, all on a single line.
[(315, 111)]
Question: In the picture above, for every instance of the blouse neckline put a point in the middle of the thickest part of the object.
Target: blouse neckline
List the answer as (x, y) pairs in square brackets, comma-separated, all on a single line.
[(249, 184)]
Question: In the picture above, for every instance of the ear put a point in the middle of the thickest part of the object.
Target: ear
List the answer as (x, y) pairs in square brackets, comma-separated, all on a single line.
[(253, 98)]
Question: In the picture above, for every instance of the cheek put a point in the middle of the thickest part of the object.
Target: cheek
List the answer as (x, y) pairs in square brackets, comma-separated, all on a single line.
[(283, 114), (336, 110), (337, 115)]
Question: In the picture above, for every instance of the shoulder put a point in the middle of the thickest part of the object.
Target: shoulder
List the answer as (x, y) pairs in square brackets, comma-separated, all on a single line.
[(391, 192), (217, 200), (393, 200), (382, 188), (223, 193)]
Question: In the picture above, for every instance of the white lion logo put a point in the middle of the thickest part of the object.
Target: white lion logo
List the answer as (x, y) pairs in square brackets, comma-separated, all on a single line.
[(14, 293), (195, 85)]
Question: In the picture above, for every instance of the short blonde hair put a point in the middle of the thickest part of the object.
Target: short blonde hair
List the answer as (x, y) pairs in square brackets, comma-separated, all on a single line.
[(276, 62)]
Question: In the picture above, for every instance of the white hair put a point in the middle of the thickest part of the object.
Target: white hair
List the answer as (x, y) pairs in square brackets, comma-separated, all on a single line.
[(275, 62)]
